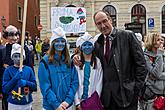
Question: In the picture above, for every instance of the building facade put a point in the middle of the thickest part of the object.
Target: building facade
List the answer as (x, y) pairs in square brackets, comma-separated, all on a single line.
[(142, 16), (11, 12)]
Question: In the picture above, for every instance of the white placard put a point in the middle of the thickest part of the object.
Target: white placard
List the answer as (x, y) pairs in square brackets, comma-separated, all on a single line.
[(71, 19)]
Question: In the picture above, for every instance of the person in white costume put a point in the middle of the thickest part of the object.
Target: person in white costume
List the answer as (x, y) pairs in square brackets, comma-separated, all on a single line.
[(90, 72)]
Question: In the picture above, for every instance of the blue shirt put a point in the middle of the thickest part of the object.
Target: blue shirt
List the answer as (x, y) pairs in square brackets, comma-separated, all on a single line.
[(9, 84)]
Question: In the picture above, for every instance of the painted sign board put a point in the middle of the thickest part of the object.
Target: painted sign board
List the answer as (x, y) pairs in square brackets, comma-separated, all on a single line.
[(71, 19)]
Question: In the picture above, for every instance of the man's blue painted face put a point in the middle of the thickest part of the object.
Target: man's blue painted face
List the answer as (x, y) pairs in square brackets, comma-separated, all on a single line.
[(59, 44), (16, 58), (87, 47)]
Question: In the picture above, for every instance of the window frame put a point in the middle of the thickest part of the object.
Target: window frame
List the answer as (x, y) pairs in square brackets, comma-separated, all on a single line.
[(36, 21), (112, 13), (19, 14), (138, 15)]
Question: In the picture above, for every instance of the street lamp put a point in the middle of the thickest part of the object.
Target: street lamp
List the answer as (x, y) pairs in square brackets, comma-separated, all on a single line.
[(3, 23)]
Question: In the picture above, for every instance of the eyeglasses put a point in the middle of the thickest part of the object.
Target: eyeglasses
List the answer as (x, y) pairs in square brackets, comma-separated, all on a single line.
[(102, 22), (13, 33)]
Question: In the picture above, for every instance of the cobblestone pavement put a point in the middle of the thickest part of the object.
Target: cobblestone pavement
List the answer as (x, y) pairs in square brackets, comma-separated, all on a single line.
[(37, 97)]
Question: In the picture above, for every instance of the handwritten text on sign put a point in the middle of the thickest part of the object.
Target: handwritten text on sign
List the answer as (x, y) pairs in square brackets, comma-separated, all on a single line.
[(71, 19)]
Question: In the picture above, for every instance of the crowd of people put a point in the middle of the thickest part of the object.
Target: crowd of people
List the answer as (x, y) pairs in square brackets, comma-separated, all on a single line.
[(114, 70)]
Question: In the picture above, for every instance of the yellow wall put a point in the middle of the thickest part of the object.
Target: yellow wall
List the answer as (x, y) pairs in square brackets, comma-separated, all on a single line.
[(123, 8)]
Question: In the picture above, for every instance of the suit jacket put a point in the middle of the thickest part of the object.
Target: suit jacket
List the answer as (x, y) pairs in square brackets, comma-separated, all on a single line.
[(130, 65)]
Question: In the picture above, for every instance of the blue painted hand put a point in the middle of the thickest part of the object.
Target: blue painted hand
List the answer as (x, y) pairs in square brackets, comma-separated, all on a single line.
[(22, 83), (18, 76)]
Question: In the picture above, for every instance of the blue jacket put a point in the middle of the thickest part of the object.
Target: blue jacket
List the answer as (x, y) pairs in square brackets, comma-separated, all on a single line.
[(57, 86), (9, 84)]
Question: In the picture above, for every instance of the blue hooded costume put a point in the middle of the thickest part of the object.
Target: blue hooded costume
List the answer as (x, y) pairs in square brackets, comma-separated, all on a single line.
[(58, 83)]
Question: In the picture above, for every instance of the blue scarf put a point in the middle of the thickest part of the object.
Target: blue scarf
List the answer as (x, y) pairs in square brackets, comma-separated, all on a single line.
[(86, 80)]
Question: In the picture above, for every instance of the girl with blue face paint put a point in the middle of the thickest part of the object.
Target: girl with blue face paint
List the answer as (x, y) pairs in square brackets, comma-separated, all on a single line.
[(57, 75), (59, 44), (90, 71), (87, 48)]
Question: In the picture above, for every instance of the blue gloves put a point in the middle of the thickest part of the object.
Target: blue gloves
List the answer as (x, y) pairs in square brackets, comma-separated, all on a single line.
[(17, 76), (21, 83)]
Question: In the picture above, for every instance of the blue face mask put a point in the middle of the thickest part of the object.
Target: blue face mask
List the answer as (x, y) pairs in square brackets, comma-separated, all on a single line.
[(87, 47), (16, 58), (59, 44)]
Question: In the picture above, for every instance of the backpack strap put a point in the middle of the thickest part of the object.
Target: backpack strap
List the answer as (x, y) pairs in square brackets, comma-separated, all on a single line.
[(47, 68), (45, 64)]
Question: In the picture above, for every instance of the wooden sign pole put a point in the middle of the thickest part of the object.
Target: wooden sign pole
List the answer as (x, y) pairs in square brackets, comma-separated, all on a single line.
[(23, 38)]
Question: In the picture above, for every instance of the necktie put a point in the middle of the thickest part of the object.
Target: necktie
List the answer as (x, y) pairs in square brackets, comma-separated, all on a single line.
[(107, 48)]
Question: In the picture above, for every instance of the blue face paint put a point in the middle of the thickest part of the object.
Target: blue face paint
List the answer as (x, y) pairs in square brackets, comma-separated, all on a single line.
[(59, 44), (16, 58), (87, 47)]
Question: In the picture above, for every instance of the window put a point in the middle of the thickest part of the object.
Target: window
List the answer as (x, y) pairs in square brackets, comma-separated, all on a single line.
[(112, 12), (163, 19), (35, 21), (19, 13), (138, 15), (70, 6)]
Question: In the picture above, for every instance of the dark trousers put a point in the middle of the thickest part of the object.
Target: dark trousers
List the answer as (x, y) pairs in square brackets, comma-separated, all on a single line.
[(4, 102), (113, 105)]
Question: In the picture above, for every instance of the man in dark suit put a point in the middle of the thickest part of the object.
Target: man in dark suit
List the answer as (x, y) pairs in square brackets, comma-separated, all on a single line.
[(125, 67), (123, 63)]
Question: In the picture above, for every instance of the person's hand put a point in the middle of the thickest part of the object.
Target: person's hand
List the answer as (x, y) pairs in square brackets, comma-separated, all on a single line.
[(5, 65), (1, 96), (78, 107), (18, 76), (65, 104), (21, 83), (161, 47), (61, 107), (76, 60)]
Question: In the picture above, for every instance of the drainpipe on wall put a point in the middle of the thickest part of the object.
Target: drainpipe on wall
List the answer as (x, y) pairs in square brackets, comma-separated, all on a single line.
[(93, 11)]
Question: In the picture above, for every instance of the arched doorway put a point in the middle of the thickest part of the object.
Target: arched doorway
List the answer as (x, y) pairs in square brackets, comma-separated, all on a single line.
[(112, 12), (138, 15)]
